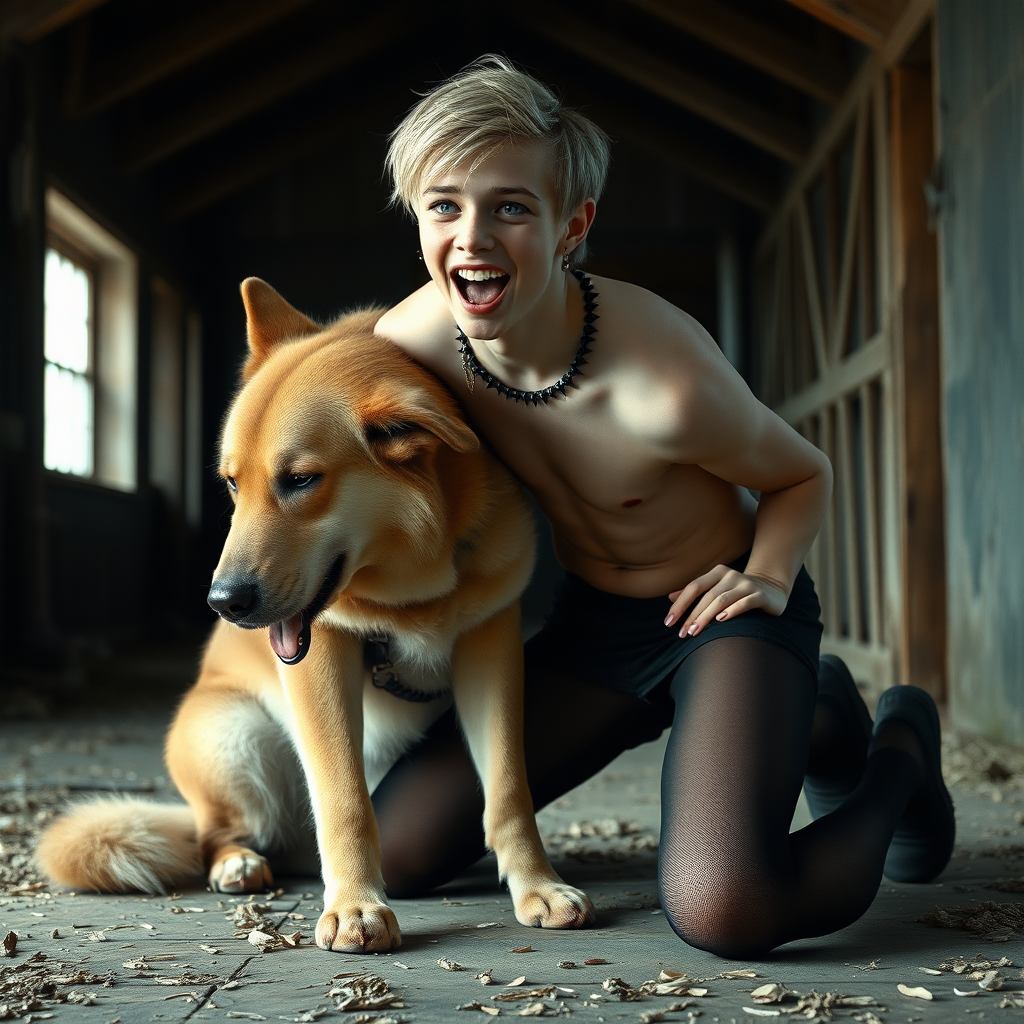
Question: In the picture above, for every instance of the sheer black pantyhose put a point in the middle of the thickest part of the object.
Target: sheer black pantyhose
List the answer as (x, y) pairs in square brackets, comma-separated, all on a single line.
[(733, 880)]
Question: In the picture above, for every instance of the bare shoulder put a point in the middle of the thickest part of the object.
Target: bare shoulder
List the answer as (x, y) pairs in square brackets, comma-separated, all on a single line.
[(669, 373), (652, 323), (420, 324)]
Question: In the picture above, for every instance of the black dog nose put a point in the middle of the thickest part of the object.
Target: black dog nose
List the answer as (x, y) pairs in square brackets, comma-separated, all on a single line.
[(233, 599)]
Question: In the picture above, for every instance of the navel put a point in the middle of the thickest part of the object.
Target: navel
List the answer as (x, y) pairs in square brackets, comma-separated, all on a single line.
[(631, 502)]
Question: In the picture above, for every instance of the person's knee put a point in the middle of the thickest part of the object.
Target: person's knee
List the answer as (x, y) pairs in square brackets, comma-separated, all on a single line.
[(719, 911), (407, 876)]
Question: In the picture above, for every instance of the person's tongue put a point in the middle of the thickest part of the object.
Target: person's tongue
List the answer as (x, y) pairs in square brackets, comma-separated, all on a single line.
[(284, 637), (482, 292)]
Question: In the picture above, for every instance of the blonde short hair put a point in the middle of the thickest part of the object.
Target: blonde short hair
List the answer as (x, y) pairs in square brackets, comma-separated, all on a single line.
[(483, 108)]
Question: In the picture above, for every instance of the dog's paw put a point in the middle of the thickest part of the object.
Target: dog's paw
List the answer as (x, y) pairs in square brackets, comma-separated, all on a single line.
[(240, 870), (355, 927), (548, 904)]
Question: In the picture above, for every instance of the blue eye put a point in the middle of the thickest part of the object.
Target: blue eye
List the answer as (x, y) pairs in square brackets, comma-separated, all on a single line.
[(513, 209), (444, 207)]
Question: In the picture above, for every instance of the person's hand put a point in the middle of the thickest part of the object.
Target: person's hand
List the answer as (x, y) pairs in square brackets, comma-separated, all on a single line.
[(727, 593)]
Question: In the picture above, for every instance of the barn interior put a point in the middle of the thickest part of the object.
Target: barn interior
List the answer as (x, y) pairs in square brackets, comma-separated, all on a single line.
[(831, 187)]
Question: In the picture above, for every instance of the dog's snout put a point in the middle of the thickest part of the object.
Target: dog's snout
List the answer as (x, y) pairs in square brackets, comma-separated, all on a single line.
[(233, 599)]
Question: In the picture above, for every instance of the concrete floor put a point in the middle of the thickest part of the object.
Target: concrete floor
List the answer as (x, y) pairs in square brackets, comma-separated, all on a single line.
[(89, 958)]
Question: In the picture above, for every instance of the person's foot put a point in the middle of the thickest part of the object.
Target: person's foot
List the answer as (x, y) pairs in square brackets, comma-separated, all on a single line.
[(842, 732), (906, 718)]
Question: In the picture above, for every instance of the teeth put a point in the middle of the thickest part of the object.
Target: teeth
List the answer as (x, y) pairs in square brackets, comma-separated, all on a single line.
[(479, 275)]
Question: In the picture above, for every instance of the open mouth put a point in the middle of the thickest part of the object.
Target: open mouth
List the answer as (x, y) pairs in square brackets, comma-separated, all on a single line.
[(481, 289), (290, 638)]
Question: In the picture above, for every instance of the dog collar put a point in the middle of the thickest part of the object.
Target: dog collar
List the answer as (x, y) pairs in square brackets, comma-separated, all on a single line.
[(377, 656)]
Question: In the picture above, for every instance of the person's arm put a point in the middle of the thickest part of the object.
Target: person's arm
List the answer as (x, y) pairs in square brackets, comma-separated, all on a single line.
[(729, 433)]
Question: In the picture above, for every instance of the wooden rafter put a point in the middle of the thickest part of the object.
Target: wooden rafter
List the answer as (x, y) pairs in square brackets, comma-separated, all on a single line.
[(754, 43), (177, 47), (29, 20), (779, 135), (200, 120), (870, 21)]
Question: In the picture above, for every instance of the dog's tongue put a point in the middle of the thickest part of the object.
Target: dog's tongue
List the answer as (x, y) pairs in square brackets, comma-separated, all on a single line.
[(284, 637), (481, 292)]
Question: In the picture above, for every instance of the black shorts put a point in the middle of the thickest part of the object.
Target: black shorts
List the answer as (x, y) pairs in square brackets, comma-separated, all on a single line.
[(623, 643)]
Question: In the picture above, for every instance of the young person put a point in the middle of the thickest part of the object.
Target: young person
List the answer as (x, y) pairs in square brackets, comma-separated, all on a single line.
[(639, 442)]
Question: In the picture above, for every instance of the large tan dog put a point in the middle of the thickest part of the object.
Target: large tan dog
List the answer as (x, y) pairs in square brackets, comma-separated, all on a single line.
[(364, 508)]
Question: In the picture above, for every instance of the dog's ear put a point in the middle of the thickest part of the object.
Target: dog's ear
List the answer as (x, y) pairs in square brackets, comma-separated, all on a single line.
[(270, 321), (450, 429), (392, 431)]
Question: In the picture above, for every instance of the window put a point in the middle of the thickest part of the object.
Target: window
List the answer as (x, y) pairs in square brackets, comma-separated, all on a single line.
[(68, 383), (90, 349)]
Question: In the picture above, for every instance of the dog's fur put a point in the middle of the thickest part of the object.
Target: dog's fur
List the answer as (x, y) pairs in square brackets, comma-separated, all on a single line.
[(343, 451)]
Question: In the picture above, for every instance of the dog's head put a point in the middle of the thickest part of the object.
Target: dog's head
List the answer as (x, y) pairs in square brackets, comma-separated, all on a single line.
[(340, 454)]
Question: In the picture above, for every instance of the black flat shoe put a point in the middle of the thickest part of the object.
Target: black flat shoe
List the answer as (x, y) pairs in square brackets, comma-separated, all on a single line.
[(835, 681), (924, 838)]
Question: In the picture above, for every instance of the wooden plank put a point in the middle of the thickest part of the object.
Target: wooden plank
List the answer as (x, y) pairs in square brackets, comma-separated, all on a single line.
[(873, 469), (867, 80), (831, 570), (755, 43), (781, 136), (870, 21), (29, 20), (838, 333), (177, 47), (919, 402), (851, 541), (213, 113), (813, 287), (864, 364), (867, 259)]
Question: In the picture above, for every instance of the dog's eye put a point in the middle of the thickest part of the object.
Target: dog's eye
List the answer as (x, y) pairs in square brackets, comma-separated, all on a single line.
[(299, 481), (232, 486)]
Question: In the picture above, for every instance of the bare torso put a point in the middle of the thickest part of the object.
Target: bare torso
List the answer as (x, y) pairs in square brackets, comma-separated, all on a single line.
[(628, 514)]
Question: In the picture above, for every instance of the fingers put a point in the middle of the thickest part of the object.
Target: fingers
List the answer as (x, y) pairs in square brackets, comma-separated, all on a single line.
[(726, 594), (720, 604), (682, 599)]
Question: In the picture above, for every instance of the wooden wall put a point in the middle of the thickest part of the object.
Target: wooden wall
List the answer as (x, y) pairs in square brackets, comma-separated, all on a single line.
[(981, 192)]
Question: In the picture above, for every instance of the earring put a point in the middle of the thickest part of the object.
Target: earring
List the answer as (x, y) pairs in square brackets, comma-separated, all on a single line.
[(419, 255), (565, 260)]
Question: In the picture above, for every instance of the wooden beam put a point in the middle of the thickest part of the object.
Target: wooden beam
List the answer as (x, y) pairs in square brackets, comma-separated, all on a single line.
[(762, 46), (910, 22), (919, 385), (210, 115), (870, 21), (29, 20), (780, 136), (175, 48)]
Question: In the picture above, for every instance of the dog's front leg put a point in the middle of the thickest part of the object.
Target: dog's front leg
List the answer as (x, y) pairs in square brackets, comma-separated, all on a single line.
[(325, 694), (487, 681)]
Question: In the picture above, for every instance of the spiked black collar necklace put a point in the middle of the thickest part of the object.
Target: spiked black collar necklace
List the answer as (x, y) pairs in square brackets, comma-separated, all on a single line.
[(473, 369)]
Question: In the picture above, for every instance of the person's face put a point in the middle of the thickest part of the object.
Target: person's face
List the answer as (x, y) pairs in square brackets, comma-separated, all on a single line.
[(493, 240)]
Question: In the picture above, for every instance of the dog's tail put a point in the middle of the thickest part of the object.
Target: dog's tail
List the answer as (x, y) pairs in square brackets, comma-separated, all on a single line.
[(122, 845)]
